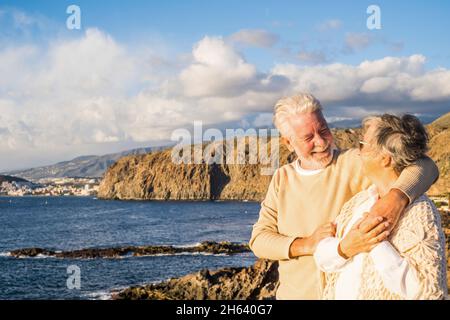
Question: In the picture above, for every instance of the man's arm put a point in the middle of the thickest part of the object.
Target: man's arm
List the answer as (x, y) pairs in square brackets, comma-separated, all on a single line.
[(417, 178), (266, 242), (414, 181), (307, 246)]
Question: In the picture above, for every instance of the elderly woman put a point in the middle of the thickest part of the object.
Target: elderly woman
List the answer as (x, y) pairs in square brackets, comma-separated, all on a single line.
[(366, 261)]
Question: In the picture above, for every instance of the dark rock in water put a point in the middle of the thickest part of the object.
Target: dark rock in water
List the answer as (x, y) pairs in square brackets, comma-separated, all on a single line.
[(221, 247), (90, 253), (30, 252), (257, 282)]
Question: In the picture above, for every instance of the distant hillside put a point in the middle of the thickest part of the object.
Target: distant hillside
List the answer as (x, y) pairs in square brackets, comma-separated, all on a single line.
[(11, 179), (84, 166), (439, 131), (154, 176)]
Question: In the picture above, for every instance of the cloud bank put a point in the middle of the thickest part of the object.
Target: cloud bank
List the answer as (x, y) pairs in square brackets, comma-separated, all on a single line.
[(72, 96)]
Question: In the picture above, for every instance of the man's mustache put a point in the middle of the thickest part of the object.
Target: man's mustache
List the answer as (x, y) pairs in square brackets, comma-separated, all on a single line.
[(322, 149)]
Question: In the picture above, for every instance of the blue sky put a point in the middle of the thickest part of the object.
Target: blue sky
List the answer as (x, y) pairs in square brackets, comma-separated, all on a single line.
[(419, 26), (137, 70)]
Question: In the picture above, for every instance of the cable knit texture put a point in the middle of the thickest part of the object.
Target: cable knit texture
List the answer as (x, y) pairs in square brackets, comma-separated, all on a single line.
[(418, 237)]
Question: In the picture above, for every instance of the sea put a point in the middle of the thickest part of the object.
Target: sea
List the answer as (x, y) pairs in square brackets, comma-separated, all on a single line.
[(70, 223)]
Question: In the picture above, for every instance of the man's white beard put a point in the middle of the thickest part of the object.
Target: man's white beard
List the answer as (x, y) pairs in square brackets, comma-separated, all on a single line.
[(313, 164)]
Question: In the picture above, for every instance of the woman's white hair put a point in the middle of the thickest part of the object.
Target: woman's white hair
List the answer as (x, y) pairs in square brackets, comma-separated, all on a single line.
[(289, 106), (404, 138)]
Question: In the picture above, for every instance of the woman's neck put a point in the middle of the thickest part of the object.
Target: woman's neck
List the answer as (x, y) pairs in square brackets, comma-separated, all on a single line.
[(384, 181)]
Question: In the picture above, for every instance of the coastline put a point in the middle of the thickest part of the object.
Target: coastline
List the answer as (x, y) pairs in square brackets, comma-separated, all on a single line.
[(230, 283)]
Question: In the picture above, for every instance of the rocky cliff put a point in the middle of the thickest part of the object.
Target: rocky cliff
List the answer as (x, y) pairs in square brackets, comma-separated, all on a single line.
[(155, 176), (439, 132)]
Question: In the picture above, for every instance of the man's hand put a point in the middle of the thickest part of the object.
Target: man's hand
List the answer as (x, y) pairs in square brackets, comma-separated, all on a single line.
[(322, 232), (363, 238), (390, 207), (307, 246)]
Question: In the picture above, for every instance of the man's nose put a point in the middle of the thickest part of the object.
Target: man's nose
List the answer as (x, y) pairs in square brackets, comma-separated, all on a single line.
[(319, 141)]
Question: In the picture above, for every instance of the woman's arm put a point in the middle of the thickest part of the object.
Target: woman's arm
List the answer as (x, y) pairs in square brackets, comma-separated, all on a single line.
[(332, 253), (327, 257)]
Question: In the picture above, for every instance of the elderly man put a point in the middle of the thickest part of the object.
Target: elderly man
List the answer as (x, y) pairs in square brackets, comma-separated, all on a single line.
[(306, 195)]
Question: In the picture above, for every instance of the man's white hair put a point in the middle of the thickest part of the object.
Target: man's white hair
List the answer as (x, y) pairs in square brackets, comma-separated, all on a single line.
[(289, 106)]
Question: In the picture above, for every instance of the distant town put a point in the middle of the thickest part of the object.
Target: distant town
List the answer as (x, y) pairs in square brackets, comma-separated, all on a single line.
[(51, 187), (89, 186)]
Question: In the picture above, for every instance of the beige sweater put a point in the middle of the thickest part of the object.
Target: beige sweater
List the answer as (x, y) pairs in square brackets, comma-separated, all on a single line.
[(418, 237), (296, 205)]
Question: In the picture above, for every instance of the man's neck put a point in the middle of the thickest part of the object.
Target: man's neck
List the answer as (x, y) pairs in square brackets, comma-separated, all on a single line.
[(310, 167)]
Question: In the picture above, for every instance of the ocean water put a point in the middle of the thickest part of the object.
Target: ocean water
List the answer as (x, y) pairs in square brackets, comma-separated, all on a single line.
[(69, 223)]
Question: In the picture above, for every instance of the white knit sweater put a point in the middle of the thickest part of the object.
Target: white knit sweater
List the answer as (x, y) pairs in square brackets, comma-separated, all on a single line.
[(418, 237)]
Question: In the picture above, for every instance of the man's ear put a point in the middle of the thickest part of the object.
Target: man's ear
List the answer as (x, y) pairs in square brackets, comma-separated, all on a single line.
[(287, 143)]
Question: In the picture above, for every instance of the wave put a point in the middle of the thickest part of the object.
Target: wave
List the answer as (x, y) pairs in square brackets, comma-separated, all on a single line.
[(189, 245), (128, 256), (99, 295), (184, 254), (39, 256)]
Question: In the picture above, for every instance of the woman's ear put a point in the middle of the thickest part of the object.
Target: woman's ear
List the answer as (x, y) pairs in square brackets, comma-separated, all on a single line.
[(287, 143), (386, 160)]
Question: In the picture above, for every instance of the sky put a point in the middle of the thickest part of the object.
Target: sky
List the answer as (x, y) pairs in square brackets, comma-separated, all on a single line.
[(136, 71)]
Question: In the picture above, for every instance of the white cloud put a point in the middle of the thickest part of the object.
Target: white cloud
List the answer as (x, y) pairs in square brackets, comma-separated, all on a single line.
[(92, 93), (264, 119), (393, 83), (17, 24), (356, 42), (337, 119), (255, 37), (332, 24), (21, 19), (217, 69), (312, 57)]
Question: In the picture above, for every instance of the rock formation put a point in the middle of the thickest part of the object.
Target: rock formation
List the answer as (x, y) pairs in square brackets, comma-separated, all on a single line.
[(155, 176), (439, 132), (257, 282)]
